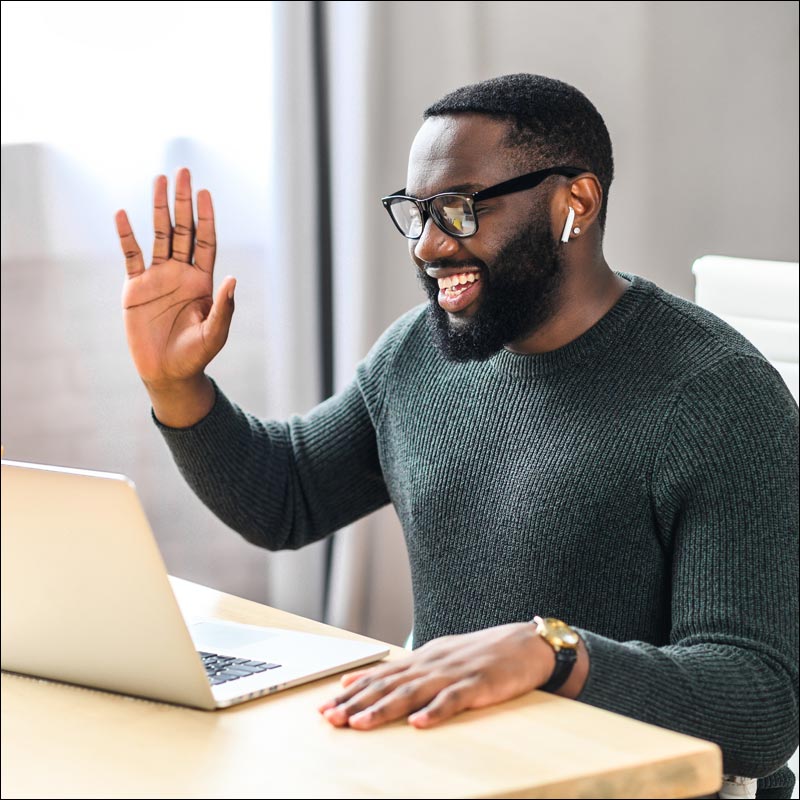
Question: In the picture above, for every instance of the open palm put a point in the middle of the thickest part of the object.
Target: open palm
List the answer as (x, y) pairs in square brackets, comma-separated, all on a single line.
[(173, 323)]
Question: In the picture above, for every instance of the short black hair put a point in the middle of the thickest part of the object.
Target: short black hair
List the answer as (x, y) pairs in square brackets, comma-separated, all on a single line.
[(552, 123)]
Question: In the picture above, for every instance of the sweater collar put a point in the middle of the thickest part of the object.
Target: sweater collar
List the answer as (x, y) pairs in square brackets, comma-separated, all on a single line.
[(587, 346)]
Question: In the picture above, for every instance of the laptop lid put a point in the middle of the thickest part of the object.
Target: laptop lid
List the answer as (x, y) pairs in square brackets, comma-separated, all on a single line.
[(86, 599)]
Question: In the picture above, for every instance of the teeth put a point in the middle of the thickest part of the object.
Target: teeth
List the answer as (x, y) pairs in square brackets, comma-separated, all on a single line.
[(458, 280)]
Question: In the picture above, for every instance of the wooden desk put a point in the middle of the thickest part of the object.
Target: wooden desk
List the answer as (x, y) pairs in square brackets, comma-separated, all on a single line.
[(66, 741)]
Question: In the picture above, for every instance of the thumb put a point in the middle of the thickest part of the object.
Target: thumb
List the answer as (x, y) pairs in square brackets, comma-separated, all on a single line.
[(218, 322)]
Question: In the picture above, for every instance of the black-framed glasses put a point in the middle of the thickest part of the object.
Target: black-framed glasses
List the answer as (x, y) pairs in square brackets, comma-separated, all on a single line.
[(454, 212)]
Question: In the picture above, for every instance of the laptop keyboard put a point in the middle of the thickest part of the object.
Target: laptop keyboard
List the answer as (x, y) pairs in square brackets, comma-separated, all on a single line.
[(222, 669)]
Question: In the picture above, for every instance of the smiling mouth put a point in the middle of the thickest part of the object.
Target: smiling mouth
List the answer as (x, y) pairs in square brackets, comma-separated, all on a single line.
[(459, 292), (454, 285)]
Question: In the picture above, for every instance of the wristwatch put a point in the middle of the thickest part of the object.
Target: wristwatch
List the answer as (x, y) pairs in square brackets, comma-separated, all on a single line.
[(564, 641)]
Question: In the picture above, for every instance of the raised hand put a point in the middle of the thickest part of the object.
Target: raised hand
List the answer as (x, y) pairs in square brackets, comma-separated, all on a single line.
[(173, 322)]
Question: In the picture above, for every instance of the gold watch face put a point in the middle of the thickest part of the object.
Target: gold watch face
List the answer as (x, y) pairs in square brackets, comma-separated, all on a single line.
[(558, 633)]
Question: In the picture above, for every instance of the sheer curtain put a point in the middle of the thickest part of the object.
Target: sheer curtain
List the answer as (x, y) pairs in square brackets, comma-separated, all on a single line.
[(97, 100)]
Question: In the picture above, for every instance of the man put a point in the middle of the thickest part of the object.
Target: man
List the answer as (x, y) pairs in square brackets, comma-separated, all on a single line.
[(559, 440)]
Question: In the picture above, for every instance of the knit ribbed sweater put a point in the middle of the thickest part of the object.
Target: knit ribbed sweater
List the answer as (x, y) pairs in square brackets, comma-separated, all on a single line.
[(639, 483)]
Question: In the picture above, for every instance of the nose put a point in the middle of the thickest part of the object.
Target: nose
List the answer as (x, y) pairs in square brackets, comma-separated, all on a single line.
[(434, 244)]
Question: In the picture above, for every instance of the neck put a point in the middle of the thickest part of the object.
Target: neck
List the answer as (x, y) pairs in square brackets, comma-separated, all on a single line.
[(586, 296)]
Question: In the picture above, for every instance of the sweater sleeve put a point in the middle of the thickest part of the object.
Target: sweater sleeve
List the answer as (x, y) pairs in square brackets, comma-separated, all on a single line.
[(724, 494), (283, 485)]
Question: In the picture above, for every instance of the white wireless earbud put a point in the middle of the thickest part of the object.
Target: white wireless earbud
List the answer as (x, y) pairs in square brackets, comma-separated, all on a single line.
[(568, 226)]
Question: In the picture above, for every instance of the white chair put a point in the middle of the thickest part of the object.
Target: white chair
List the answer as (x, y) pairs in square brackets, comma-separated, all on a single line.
[(761, 300)]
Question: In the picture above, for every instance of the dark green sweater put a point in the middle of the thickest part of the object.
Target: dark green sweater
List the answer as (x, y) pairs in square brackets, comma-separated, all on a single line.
[(639, 483)]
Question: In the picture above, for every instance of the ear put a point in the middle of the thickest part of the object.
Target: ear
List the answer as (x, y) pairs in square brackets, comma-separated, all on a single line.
[(586, 197)]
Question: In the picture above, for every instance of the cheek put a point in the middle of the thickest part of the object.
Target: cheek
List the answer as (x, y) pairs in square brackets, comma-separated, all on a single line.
[(550, 219), (537, 213), (498, 228), (486, 244)]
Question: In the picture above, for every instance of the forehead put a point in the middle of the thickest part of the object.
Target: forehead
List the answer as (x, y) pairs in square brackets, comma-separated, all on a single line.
[(463, 152)]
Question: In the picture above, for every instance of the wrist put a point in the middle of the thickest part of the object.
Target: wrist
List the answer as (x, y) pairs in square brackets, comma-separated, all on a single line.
[(573, 686), (543, 656), (566, 666), (181, 403), (537, 656)]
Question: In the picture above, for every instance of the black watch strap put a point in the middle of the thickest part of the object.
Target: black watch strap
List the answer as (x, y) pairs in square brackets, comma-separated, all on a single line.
[(565, 661)]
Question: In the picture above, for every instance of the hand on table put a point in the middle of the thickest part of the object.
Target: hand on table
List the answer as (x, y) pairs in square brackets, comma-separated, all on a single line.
[(443, 677)]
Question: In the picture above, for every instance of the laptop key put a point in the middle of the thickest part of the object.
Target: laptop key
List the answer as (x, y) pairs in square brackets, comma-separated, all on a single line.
[(223, 669), (250, 670)]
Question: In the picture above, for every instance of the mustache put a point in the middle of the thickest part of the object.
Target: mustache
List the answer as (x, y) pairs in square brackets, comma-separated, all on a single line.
[(448, 263)]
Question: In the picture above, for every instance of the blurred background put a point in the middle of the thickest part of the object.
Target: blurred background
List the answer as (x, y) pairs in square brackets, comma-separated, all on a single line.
[(270, 103)]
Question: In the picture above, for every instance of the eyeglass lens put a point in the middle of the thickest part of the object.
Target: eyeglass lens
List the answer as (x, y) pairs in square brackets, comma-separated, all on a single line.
[(452, 213)]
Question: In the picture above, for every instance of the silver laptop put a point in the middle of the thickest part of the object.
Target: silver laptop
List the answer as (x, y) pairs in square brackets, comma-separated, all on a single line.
[(86, 600)]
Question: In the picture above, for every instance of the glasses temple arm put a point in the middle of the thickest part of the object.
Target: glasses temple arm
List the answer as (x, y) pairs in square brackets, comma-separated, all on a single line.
[(525, 182)]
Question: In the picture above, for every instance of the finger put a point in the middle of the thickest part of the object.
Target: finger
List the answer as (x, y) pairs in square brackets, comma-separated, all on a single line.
[(134, 263), (350, 678), (447, 703), (162, 245), (361, 680), (206, 242), (218, 323), (387, 699), (372, 692), (407, 698), (183, 235)]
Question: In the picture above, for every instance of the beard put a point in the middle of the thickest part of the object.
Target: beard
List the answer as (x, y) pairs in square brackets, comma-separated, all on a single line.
[(517, 297)]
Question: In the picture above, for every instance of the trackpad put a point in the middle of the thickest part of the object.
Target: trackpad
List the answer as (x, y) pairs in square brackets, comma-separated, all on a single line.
[(221, 637)]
